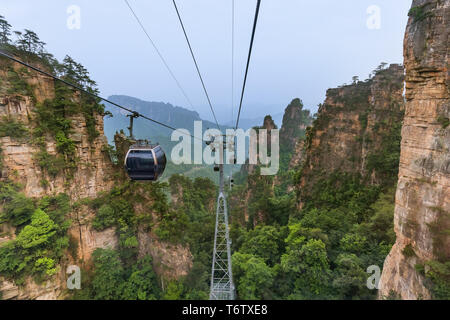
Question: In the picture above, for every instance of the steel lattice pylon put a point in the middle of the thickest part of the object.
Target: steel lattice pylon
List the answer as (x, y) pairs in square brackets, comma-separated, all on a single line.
[(222, 287), (221, 275)]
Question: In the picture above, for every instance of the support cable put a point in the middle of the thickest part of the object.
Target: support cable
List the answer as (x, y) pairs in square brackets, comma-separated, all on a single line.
[(232, 77), (159, 54), (77, 87), (196, 64), (258, 4)]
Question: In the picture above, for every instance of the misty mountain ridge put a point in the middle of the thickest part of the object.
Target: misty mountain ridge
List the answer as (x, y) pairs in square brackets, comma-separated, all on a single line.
[(174, 116), (167, 113)]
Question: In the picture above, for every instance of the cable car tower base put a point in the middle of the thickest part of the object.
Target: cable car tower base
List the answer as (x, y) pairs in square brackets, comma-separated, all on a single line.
[(222, 287)]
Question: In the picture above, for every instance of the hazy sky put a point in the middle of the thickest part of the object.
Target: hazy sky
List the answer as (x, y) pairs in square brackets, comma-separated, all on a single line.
[(302, 48)]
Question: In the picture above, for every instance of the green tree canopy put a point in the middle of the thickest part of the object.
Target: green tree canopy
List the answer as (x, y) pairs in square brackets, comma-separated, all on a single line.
[(19, 210), (265, 242), (29, 41), (310, 268), (107, 283), (255, 277), (5, 31), (142, 283), (39, 232)]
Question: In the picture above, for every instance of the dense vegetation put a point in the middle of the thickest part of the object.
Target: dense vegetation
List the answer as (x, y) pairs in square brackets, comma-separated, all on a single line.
[(10, 127), (121, 274), (323, 251), (41, 234), (111, 280)]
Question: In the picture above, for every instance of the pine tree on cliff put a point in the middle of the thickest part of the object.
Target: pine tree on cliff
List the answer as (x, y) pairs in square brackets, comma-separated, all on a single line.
[(5, 31), (29, 41), (77, 73)]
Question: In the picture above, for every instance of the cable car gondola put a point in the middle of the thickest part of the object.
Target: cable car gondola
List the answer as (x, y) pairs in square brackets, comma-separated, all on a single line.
[(145, 162)]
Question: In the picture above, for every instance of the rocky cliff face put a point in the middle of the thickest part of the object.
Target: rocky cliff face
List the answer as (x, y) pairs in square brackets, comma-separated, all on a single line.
[(93, 174), (268, 125), (19, 164), (352, 128), (422, 211), (295, 121), (254, 185), (298, 156), (292, 135)]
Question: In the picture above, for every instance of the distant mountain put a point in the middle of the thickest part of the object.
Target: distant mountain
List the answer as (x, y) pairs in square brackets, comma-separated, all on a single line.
[(177, 117), (173, 116)]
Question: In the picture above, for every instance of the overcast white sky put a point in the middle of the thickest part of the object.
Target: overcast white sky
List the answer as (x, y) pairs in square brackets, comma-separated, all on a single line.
[(302, 48)]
